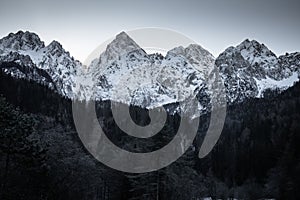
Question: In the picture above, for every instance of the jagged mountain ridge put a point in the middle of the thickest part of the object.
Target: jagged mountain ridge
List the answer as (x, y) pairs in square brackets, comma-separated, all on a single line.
[(26, 49), (249, 69), (126, 73)]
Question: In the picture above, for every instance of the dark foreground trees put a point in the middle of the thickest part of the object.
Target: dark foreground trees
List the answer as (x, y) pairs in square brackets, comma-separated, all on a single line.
[(41, 156), (22, 157)]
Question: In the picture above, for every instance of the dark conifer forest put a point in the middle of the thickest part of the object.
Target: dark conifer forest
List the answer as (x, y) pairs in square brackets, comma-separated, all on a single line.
[(42, 157)]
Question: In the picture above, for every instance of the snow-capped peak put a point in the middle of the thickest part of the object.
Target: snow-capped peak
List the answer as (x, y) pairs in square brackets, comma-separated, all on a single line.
[(199, 57), (55, 48), (126, 73), (258, 54), (53, 59), (121, 45), (21, 41), (248, 68)]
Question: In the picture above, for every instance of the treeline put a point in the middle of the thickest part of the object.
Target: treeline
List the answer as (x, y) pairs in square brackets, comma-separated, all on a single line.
[(42, 157)]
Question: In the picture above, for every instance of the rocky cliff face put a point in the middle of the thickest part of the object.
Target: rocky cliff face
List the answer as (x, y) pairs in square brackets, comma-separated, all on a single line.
[(249, 69), (125, 73), (27, 49)]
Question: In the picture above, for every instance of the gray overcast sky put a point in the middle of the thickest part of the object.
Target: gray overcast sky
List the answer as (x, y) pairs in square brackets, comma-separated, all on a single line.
[(82, 25)]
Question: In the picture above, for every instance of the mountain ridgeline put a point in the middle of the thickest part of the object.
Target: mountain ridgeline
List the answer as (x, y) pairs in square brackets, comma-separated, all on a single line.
[(42, 157), (125, 73)]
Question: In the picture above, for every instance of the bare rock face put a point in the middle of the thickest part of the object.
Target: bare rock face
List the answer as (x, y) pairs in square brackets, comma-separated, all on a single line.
[(125, 73), (251, 68)]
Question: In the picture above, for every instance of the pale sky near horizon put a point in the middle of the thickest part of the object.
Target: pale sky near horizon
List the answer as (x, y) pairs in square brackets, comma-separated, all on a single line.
[(81, 26)]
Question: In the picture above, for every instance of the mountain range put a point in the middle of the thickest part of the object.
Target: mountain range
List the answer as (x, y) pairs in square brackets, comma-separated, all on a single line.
[(125, 73), (42, 157)]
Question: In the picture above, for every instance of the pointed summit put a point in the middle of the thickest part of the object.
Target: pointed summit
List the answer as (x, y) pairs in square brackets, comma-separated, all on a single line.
[(22, 41), (199, 57), (252, 55), (121, 45), (55, 48), (55, 44), (255, 47), (123, 36), (257, 54)]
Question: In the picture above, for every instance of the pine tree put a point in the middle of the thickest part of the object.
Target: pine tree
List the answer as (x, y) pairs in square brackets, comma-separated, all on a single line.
[(22, 160)]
